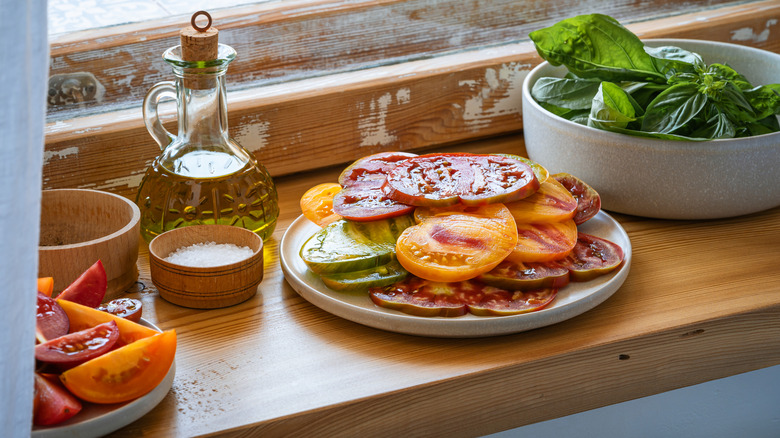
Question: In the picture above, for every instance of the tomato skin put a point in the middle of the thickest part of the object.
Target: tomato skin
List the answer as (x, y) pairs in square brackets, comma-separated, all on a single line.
[(526, 276), (123, 374), (501, 302), (441, 180), (458, 244), (53, 404), (371, 169), (127, 308), (543, 242), (51, 320), (365, 203), (76, 348), (317, 203), (551, 203), (89, 289), (588, 200), (592, 257)]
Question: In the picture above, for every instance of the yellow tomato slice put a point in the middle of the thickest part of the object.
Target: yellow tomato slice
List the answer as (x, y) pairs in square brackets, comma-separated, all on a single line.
[(83, 317), (542, 242), (46, 285), (123, 374), (551, 203), (317, 203), (457, 244)]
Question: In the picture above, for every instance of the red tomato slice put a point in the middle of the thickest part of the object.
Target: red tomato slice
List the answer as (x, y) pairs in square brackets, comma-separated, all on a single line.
[(543, 242), (83, 317), (458, 244), (317, 203), (440, 180), (591, 257), (588, 200), (127, 308), (53, 403), (51, 320), (123, 374), (526, 276), (89, 289), (364, 202), (500, 302), (73, 349), (46, 285), (371, 169), (551, 203)]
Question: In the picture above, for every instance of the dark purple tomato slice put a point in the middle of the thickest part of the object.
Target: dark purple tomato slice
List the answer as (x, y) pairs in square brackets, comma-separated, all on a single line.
[(588, 200), (441, 180), (526, 276), (591, 257), (367, 203), (127, 308), (500, 302), (51, 321), (76, 348), (371, 169)]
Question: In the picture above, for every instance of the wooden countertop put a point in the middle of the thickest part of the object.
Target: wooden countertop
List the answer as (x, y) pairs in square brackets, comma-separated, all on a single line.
[(701, 301)]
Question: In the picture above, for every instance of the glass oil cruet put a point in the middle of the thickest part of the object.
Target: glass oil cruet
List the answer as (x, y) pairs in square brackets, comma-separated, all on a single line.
[(202, 176)]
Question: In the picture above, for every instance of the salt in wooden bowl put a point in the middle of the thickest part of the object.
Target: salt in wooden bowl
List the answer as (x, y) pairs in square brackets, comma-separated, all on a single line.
[(79, 227), (189, 283)]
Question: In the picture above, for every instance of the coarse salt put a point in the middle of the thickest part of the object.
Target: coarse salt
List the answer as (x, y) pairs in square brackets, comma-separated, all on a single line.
[(208, 254)]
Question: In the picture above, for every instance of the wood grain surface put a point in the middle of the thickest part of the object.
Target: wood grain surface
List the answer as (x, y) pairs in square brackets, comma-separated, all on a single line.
[(701, 302)]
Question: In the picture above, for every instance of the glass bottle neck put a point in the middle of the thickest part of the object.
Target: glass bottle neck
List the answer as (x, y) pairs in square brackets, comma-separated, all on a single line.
[(202, 110)]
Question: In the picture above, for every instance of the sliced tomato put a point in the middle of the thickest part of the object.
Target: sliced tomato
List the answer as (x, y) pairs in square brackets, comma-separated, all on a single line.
[(127, 308), (371, 169), (458, 244), (440, 180), (46, 285), (51, 320), (83, 317), (588, 200), (526, 276), (543, 242), (123, 374), (89, 289), (591, 257), (365, 202), (317, 203), (76, 348), (53, 403), (500, 302), (540, 171), (551, 203)]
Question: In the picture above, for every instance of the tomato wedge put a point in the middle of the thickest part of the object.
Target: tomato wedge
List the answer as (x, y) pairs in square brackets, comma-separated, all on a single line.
[(543, 242), (441, 180), (83, 317), (551, 203), (89, 289), (591, 257), (588, 200), (46, 285), (76, 348), (53, 404), (51, 320), (123, 374), (317, 203), (457, 244), (127, 308)]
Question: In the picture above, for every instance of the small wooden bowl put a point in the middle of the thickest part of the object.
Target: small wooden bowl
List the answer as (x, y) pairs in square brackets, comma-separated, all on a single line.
[(206, 287), (80, 226)]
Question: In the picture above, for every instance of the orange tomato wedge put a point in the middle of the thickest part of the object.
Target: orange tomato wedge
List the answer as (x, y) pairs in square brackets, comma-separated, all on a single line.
[(46, 285), (123, 374), (83, 317), (317, 203), (542, 242)]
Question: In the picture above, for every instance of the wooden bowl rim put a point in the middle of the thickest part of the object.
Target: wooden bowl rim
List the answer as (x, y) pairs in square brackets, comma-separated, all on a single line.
[(135, 219)]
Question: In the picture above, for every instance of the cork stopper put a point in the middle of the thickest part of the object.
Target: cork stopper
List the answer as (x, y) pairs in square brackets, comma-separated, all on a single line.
[(199, 43)]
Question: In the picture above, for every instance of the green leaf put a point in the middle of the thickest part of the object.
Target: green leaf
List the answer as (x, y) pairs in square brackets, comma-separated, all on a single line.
[(670, 60), (717, 125), (725, 72), (611, 107), (765, 100), (566, 93), (597, 46), (566, 113), (673, 108)]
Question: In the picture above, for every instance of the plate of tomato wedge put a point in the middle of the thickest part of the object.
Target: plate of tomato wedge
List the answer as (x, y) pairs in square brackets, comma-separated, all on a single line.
[(454, 245)]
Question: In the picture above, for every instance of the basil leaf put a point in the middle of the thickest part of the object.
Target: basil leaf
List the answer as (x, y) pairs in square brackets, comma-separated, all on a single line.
[(764, 99), (716, 125), (673, 108), (566, 113), (611, 107), (670, 60), (566, 93), (596, 46), (725, 72)]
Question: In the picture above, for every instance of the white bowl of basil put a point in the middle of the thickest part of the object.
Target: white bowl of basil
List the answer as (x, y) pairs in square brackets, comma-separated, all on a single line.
[(708, 148)]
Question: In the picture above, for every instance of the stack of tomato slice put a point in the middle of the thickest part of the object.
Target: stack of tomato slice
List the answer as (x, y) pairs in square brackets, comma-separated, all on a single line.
[(492, 234), (90, 352)]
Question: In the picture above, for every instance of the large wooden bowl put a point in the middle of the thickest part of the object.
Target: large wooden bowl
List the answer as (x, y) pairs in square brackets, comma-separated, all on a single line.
[(206, 287), (80, 227)]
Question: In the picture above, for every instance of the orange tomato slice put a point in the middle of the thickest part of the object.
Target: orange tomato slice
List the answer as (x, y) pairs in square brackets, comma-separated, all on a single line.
[(46, 285), (457, 244), (317, 203), (83, 317), (551, 203), (542, 242), (123, 374)]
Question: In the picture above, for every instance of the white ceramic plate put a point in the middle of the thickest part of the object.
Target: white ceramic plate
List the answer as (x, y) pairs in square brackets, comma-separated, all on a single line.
[(571, 301), (96, 420)]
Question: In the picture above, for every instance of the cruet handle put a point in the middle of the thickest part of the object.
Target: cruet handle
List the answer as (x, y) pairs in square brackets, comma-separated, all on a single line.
[(158, 92)]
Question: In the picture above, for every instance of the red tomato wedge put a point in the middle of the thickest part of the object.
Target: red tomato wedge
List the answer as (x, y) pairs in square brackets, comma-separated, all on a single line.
[(317, 203), (588, 200), (457, 244), (51, 320), (551, 203), (526, 276), (123, 374), (591, 257), (46, 285), (127, 308), (419, 297), (440, 180), (53, 403), (75, 348), (543, 242), (83, 317), (89, 289)]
